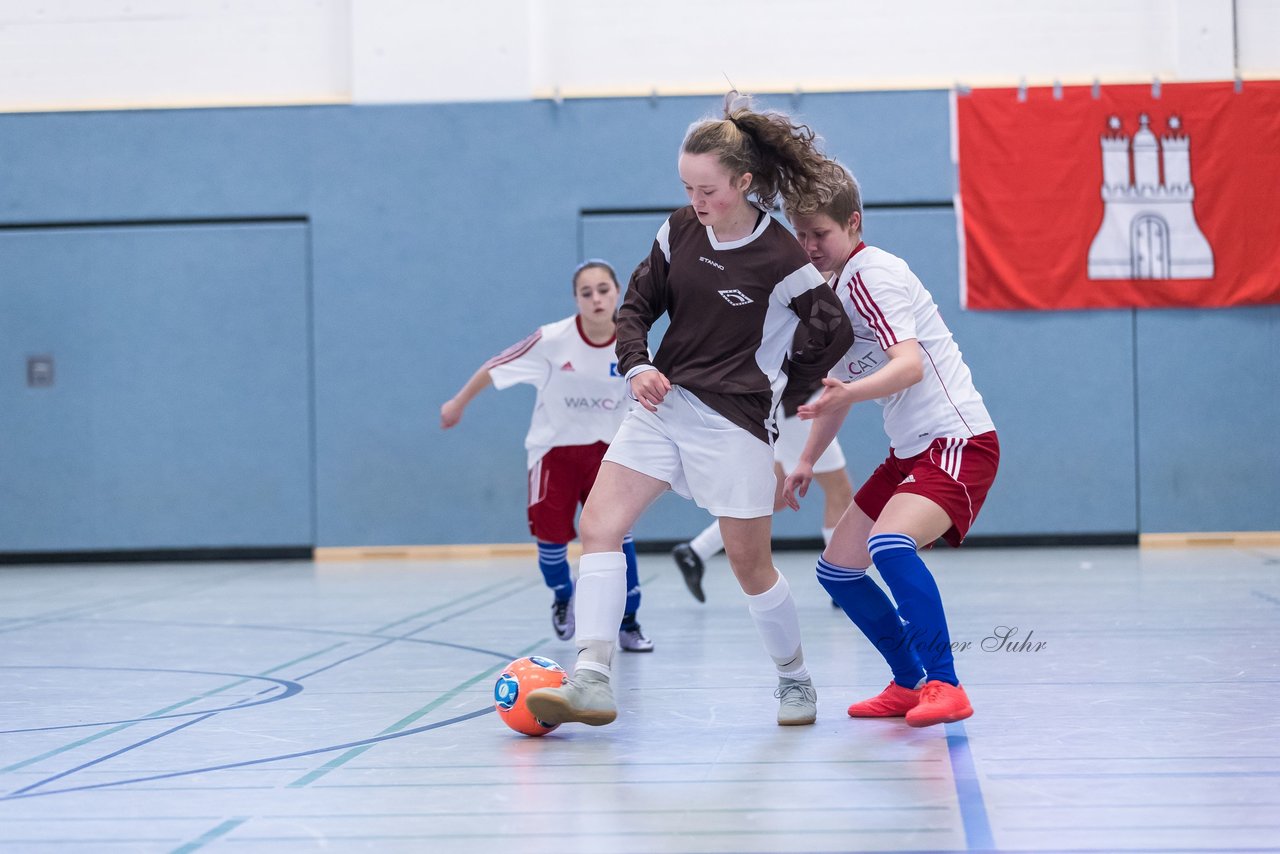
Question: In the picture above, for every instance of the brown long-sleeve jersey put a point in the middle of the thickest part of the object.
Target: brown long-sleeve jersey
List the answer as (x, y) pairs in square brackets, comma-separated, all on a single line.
[(735, 309)]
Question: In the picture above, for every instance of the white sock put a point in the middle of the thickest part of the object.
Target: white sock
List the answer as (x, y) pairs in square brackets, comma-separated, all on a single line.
[(827, 534), (598, 602), (709, 543), (774, 613)]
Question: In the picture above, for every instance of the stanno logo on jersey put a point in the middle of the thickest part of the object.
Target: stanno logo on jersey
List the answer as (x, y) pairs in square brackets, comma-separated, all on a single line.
[(736, 297), (705, 260), (567, 366)]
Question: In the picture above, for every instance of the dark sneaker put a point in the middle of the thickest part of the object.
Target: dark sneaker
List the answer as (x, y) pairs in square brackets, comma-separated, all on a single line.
[(691, 568), (562, 618)]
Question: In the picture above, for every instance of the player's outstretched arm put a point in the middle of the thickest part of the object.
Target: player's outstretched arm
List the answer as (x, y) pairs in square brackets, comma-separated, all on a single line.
[(452, 409), (824, 430), (904, 369)]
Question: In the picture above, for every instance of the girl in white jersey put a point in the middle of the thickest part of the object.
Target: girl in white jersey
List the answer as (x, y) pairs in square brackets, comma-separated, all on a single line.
[(736, 286), (581, 401), (942, 458)]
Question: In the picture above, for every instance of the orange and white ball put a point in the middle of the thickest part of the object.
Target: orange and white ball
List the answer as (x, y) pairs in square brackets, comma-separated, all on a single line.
[(518, 679)]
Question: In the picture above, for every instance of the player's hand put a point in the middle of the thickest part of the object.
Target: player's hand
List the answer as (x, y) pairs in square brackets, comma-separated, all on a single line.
[(450, 414), (834, 394), (650, 387), (796, 486)]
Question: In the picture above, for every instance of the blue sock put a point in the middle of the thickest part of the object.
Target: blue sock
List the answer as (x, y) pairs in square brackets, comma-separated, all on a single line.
[(553, 560), (919, 602), (633, 580), (873, 613)]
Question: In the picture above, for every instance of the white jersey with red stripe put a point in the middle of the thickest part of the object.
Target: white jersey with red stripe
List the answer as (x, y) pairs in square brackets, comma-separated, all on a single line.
[(888, 305), (581, 397)]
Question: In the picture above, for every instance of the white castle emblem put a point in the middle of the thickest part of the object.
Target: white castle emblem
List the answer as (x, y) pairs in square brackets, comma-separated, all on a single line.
[(1149, 228)]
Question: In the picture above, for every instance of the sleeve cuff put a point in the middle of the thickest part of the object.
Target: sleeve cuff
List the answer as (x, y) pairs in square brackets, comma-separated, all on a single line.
[(638, 369)]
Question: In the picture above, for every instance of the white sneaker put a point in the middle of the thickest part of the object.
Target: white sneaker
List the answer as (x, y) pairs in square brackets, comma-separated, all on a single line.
[(562, 619), (631, 639), (584, 698), (797, 702)]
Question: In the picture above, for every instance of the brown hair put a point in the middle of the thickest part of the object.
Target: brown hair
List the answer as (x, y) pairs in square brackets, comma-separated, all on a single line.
[(595, 264), (781, 156), (836, 193)]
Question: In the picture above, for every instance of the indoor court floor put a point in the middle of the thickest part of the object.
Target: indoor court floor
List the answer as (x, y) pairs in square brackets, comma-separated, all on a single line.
[(1131, 702)]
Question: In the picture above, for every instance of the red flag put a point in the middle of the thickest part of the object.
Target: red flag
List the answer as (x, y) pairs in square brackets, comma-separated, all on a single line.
[(1130, 199)]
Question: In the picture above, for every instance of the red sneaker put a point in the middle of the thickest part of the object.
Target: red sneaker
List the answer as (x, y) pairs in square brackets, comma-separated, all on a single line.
[(893, 702), (940, 703)]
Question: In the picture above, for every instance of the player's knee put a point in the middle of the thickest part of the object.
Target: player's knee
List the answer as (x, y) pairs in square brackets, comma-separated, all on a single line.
[(835, 578), (600, 529)]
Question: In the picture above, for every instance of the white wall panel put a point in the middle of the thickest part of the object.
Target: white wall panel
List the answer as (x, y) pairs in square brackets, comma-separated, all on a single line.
[(409, 50), (1258, 38), (674, 45), (87, 54), (78, 54)]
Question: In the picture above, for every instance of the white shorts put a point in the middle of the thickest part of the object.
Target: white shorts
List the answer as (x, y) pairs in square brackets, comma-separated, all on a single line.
[(792, 434), (701, 454)]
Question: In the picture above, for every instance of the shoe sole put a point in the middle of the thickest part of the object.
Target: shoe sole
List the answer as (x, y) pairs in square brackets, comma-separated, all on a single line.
[(553, 709), (967, 712), (901, 714), (799, 722), (695, 586), (633, 649)]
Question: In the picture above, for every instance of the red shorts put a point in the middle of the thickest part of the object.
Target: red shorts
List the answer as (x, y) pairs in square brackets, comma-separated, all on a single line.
[(558, 483), (953, 473)]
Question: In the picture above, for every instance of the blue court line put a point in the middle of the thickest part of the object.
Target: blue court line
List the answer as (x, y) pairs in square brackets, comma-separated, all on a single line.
[(311, 777), (221, 830), (290, 688), (973, 811), (409, 636), (294, 685), (1050, 775), (488, 709), (355, 746), (305, 630), (70, 611), (443, 605), (111, 755), (1266, 597)]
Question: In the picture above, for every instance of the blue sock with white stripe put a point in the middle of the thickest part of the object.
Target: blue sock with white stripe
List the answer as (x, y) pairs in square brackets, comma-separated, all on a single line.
[(553, 560), (873, 613), (633, 578), (919, 602)]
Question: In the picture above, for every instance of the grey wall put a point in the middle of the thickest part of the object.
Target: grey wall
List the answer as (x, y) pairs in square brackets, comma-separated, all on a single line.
[(267, 307)]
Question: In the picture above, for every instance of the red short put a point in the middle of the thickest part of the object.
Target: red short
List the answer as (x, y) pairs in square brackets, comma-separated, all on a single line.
[(558, 483), (953, 473)]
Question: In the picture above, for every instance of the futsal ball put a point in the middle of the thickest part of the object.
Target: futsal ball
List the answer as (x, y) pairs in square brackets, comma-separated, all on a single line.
[(513, 686)]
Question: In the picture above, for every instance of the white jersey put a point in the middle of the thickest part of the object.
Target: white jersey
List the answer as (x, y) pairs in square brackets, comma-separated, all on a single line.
[(581, 397), (888, 305)]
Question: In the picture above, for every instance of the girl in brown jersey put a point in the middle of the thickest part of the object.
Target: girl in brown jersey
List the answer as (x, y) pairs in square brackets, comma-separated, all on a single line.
[(736, 286)]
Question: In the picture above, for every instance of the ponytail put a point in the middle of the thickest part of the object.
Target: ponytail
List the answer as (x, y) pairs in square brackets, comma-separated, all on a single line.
[(781, 155)]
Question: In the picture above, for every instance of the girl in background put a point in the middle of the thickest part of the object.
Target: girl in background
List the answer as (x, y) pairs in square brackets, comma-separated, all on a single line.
[(581, 401)]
